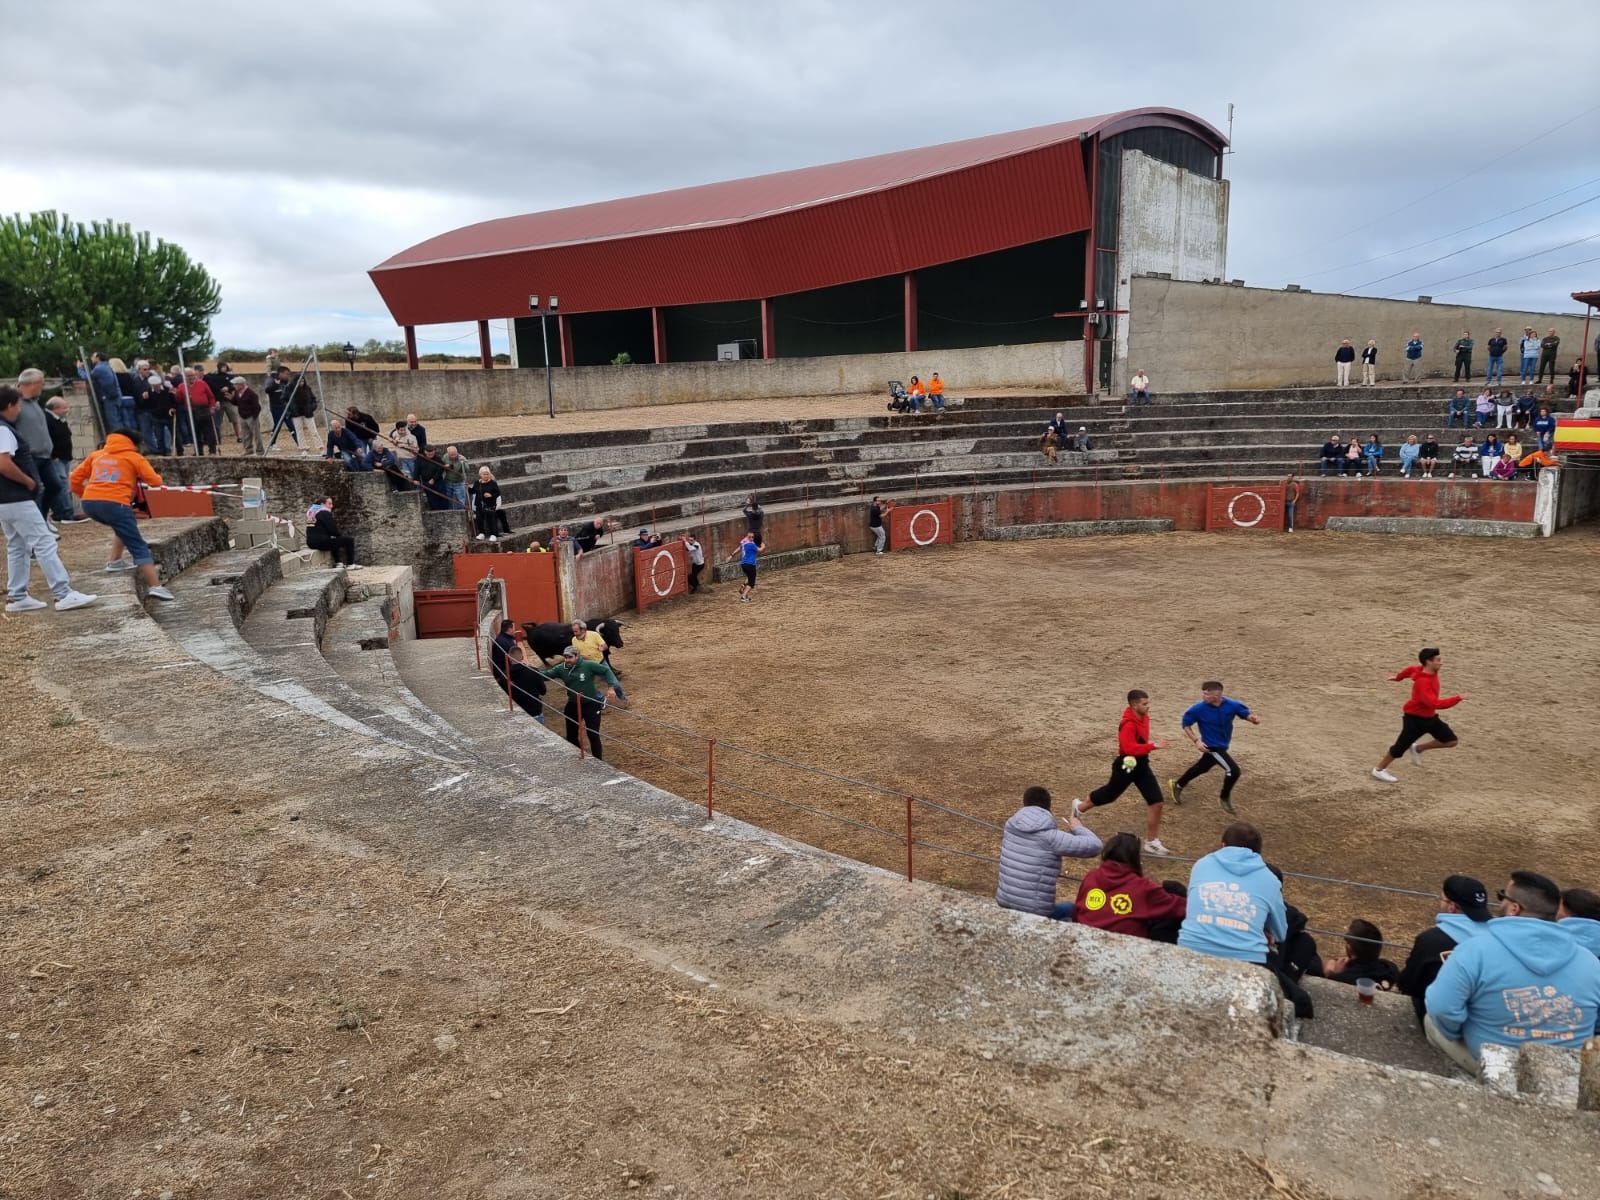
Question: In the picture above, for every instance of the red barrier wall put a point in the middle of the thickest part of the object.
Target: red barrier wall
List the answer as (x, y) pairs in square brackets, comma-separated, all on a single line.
[(177, 502), (913, 526), (659, 573), (530, 582), (1239, 506)]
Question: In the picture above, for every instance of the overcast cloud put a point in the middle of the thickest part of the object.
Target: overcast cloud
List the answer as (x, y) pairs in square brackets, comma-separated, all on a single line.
[(291, 147)]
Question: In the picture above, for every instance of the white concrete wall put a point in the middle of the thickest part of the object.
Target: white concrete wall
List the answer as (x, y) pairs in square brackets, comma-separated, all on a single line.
[(1172, 221)]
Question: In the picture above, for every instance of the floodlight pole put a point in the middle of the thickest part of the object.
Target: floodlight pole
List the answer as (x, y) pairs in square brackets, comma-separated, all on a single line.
[(544, 311)]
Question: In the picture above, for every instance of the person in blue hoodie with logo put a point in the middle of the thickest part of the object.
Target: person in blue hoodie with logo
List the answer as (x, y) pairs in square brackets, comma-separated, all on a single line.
[(1524, 979), (1235, 901), (1466, 914), (1579, 915)]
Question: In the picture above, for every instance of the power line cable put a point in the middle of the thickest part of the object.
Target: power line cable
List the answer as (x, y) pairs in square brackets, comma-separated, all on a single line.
[(1583, 262), (1463, 178), (1508, 262), (1454, 233), (1475, 245)]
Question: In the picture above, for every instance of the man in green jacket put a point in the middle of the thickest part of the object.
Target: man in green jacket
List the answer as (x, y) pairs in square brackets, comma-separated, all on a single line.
[(456, 470), (584, 700)]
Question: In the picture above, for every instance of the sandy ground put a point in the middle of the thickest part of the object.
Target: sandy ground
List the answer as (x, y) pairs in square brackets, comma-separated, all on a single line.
[(964, 675), (208, 996)]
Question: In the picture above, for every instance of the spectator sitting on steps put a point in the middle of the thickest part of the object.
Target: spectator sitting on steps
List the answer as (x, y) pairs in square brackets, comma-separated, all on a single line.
[(936, 393), (1523, 979), (323, 534), (1139, 387), (1117, 897), (1460, 409), (915, 393), (1579, 915), (1428, 455), (1373, 453), (1049, 444), (1484, 409), (1464, 459), (1505, 467), (1363, 958), (1410, 455), (1353, 458), (1489, 454), (1466, 913), (1235, 902), (1333, 455), (1080, 441), (1031, 850)]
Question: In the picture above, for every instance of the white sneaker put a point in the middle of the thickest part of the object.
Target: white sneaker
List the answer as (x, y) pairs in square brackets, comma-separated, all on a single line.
[(492, 538), (119, 564), (26, 604), (75, 599), (49, 523), (1077, 809), (1385, 776), (1155, 847), (353, 567), (160, 593), (1416, 755), (479, 538)]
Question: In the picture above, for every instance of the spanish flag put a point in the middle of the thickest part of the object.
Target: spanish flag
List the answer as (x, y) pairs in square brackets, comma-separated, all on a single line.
[(1577, 435)]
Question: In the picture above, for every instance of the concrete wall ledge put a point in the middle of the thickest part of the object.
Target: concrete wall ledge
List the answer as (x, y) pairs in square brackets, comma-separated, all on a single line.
[(1433, 526), (1061, 529), (725, 571)]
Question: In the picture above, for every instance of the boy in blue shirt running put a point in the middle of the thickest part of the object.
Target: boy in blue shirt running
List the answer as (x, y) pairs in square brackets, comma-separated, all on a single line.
[(1209, 725)]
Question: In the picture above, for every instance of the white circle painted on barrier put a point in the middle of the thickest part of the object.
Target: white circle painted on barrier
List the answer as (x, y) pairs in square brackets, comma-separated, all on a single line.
[(655, 575), (1262, 512), (911, 526)]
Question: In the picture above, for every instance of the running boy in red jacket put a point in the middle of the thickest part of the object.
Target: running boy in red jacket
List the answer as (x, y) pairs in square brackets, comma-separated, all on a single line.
[(1132, 766), (1421, 715)]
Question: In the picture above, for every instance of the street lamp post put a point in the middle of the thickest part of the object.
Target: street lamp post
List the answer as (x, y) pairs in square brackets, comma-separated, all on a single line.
[(543, 312), (350, 354)]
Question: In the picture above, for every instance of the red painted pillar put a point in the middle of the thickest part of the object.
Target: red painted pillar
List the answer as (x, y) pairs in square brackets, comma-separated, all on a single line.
[(658, 333), (411, 347), (485, 354), (911, 312), (564, 332), (769, 330)]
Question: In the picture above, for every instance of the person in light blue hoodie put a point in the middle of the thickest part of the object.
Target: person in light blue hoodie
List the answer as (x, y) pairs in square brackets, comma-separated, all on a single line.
[(1235, 901), (1579, 915), (1524, 979)]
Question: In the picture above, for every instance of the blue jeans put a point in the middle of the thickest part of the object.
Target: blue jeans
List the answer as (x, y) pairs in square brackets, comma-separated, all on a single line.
[(157, 434), (1530, 367), (1061, 912), (120, 519), (457, 493), (55, 497), (1497, 369), (1454, 413), (1140, 396)]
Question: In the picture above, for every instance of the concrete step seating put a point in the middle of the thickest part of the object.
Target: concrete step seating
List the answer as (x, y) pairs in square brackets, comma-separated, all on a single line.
[(315, 646), (651, 476)]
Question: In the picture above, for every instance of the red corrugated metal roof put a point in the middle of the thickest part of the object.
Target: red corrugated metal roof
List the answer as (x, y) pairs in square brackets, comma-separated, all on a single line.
[(768, 235), (1587, 297)]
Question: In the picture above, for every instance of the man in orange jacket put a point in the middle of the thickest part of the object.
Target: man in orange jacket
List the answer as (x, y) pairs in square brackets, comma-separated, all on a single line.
[(106, 482), (936, 392)]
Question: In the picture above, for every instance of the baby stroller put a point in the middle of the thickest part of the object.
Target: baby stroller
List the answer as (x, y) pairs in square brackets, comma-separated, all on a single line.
[(898, 400)]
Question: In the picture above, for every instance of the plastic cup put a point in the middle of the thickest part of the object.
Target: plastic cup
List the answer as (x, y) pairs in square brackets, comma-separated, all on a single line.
[(1366, 989)]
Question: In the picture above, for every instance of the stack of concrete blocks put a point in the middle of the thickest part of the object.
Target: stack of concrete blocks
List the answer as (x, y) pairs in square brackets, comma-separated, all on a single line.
[(255, 528), (1551, 1075)]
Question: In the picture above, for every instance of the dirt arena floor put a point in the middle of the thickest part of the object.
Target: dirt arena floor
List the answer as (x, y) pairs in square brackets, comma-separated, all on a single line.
[(963, 675)]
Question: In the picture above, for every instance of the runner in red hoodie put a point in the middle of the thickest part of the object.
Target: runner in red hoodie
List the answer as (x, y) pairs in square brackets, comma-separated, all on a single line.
[(1117, 896), (1421, 714), (1132, 766)]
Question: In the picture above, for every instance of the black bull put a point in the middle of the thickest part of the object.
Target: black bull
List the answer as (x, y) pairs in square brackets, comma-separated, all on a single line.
[(549, 638)]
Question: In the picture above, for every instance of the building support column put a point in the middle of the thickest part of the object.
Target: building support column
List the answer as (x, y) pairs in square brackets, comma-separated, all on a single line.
[(564, 334), (485, 353), (411, 347), (911, 312), (658, 333), (769, 329), (1090, 269)]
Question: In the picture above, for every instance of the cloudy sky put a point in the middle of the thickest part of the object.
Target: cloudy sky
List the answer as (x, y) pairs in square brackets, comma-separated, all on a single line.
[(291, 147)]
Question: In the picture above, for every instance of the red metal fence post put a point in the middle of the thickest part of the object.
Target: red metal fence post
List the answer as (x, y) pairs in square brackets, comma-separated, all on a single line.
[(909, 876), (711, 775)]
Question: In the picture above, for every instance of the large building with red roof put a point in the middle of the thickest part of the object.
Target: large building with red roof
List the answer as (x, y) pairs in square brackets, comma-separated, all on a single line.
[(1012, 238)]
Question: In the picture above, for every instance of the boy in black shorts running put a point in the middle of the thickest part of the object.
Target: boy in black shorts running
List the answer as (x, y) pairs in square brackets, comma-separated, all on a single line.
[(1421, 715), (1131, 767)]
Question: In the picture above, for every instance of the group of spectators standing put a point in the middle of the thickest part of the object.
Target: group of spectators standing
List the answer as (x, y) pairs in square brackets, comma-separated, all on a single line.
[(1530, 975), (1536, 354)]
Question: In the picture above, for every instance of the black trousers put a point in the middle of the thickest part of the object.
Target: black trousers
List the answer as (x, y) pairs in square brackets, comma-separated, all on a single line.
[(1463, 365), (589, 710), (1141, 777), (342, 548), (694, 576), (1547, 359), (1213, 758)]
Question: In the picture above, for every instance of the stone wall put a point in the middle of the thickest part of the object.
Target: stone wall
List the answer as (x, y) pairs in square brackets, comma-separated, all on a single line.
[(1053, 366), (1205, 336), (1578, 497)]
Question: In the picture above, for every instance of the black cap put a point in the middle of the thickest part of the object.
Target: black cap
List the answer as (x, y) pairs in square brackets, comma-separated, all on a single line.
[(1470, 896)]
